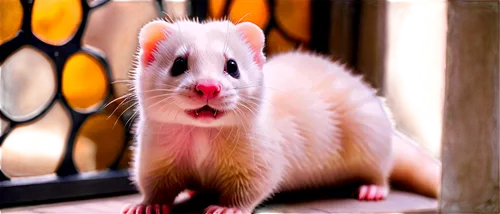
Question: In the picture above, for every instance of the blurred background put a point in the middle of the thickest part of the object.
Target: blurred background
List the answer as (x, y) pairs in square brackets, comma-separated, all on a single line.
[(62, 61)]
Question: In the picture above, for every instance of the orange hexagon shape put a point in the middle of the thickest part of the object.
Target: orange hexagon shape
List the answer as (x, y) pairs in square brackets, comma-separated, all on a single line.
[(55, 22)]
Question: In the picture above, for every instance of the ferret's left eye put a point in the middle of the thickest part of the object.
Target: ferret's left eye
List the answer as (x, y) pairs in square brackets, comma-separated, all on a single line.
[(179, 67), (232, 69)]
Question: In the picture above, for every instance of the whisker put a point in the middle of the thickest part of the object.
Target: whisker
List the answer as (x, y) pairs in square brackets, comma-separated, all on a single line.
[(227, 38), (235, 142), (263, 86), (167, 17), (122, 81), (175, 117), (158, 90), (116, 99), (120, 105), (189, 132), (243, 18), (161, 126), (135, 104), (253, 101), (136, 113), (243, 105), (118, 118), (220, 130)]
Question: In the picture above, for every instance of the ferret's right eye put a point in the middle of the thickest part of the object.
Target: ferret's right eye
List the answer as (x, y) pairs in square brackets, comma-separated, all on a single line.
[(179, 67)]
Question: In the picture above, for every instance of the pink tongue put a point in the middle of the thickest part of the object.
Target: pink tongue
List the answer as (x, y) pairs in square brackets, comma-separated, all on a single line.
[(205, 113)]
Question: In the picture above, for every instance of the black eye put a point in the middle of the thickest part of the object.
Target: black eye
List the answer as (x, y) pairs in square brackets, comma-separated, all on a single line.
[(179, 67), (232, 69)]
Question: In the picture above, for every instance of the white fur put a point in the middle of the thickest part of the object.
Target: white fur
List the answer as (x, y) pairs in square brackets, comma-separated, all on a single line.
[(303, 121)]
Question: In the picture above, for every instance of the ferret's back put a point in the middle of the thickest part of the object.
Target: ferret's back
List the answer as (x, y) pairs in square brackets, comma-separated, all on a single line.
[(331, 122)]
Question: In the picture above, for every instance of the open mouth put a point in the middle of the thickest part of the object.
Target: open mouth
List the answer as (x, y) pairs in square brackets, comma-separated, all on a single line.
[(205, 112)]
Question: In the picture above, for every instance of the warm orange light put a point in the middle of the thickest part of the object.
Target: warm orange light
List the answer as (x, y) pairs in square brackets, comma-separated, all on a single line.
[(277, 43), (293, 16), (56, 21), (255, 11), (11, 18), (84, 81), (99, 142), (216, 8), (113, 29)]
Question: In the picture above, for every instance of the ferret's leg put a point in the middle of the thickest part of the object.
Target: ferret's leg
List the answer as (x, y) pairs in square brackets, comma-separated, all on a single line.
[(373, 192), (157, 196), (243, 194), (374, 184), (374, 172), (214, 209), (369, 148), (242, 200), (155, 182), (245, 189)]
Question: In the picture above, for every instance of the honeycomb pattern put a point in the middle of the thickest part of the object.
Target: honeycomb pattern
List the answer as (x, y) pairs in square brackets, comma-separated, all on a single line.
[(56, 21), (114, 30), (51, 55), (100, 139), (71, 43), (28, 83), (37, 148)]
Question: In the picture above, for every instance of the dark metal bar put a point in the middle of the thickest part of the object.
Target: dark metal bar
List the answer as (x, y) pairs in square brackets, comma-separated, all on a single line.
[(356, 21), (3, 177), (27, 13), (227, 6), (37, 190), (159, 7), (320, 25), (199, 9)]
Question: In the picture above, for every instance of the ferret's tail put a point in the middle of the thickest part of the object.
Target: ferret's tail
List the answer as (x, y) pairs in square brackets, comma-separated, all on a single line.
[(415, 169)]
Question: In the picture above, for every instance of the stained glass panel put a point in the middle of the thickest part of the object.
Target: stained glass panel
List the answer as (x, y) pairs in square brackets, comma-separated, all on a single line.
[(56, 21), (27, 83)]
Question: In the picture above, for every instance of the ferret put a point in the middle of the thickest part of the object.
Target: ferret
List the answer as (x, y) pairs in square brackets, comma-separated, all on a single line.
[(214, 114)]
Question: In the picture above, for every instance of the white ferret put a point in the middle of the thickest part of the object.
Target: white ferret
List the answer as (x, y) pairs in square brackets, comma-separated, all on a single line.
[(215, 116)]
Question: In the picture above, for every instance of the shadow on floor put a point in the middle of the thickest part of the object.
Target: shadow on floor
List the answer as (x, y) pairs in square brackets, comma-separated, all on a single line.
[(327, 200)]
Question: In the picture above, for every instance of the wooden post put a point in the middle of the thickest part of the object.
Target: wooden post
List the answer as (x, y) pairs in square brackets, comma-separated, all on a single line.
[(470, 125), (357, 37), (371, 42)]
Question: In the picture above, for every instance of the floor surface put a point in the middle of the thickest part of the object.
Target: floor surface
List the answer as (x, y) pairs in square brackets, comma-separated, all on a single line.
[(397, 202)]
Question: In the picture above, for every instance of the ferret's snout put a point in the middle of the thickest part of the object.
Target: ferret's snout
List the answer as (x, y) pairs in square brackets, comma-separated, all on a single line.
[(207, 89)]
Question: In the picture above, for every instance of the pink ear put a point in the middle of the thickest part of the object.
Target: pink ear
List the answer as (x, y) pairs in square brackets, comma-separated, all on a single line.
[(255, 38), (149, 37)]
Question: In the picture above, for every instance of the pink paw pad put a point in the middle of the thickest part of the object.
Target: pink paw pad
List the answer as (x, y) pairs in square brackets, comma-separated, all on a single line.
[(372, 192), (222, 210), (146, 209)]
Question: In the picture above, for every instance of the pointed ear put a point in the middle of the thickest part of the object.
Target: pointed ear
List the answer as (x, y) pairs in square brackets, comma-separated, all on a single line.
[(149, 37), (255, 37)]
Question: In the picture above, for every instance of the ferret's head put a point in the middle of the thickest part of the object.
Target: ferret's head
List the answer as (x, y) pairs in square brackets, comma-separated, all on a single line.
[(203, 74)]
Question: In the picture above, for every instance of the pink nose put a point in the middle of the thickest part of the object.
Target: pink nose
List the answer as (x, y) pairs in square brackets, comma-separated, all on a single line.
[(208, 90)]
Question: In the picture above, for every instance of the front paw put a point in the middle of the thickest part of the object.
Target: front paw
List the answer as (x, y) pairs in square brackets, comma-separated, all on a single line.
[(146, 209), (214, 209)]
